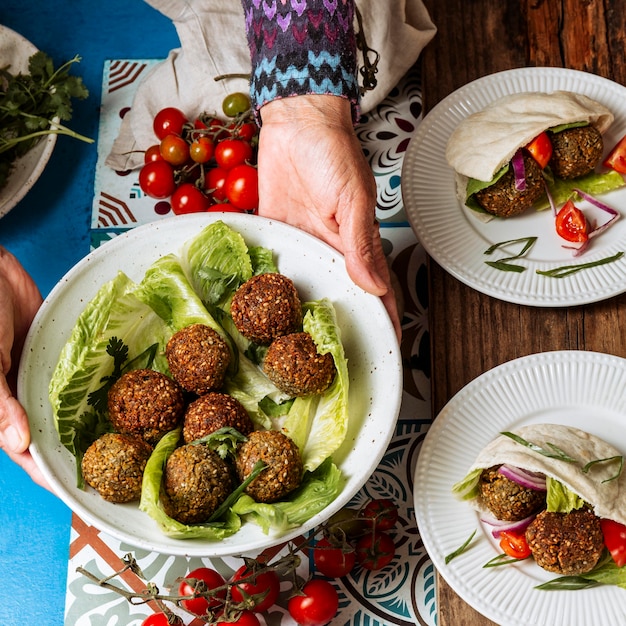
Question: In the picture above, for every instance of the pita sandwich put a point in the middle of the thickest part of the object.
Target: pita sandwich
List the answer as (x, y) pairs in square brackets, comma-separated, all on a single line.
[(594, 471)]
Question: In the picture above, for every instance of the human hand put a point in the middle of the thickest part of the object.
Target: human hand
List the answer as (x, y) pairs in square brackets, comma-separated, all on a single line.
[(313, 175), (19, 301)]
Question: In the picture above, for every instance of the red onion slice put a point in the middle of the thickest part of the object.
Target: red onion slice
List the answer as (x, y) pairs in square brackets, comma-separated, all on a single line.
[(518, 171), (499, 526), (528, 480)]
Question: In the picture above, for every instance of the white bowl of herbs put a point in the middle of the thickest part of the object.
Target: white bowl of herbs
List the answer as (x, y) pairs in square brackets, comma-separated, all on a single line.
[(35, 97)]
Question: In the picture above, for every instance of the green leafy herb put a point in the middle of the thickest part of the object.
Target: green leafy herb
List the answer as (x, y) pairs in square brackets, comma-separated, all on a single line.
[(501, 559), (611, 459), (223, 441), (32, 104), (567, 583), (460, 549), (554, 452), (503, 264), (119, 352), (567, 270)]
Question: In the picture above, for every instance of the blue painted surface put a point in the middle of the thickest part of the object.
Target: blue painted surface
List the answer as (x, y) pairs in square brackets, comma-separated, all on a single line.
[(49, 232)]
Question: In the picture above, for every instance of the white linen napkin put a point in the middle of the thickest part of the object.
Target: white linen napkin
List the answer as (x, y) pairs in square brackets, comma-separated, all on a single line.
[(213, 43)]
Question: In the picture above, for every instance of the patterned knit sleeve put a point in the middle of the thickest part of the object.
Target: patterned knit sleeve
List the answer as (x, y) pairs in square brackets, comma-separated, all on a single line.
[(301, 47)]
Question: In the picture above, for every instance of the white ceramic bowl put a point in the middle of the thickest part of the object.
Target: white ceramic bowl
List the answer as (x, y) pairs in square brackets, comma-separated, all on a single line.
[(374, 364), (15, 51)]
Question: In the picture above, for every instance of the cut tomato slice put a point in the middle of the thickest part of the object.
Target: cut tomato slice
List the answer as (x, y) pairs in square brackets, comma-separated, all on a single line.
[(571, 223), (514, 544), (540, 149), (615, 540), (617, 157)]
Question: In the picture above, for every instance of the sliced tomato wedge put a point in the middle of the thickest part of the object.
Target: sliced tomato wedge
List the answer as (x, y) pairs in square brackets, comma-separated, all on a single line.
[(540, 149), (571, 223), (616, 159), (514, 544), (615, 540)]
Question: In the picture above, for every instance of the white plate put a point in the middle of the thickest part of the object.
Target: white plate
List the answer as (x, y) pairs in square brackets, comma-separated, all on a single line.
[(15, 51), (581, 389), (457, 240), (318, 271)]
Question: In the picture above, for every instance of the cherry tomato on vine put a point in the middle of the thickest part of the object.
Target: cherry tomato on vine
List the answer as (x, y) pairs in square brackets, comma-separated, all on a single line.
[(169, 120), (201, 149), (375, 550), (380, 514), (153, 153), (156, 179), (346, 522), (332, 561), (232, 152), (212, 580), (214, 183), (174, 149), (246, 131), (242, 187), (187, 198), (235, 104), (265, 581), (317, 605), (245, 618)]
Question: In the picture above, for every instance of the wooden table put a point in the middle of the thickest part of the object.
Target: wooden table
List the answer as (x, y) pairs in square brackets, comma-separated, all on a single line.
[(472, 332)]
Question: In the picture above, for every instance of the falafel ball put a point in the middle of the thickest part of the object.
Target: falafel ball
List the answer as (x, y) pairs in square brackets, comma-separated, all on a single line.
[(283, 471), (265, 307), (576, 151), (195, 482), (294, 365), (506, 499), (198, 358), (566, 543), (147, 403), (502, 199), (213, 411), (113, 465)]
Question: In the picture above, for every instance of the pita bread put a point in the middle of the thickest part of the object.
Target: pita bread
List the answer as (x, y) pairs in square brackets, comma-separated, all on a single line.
[(487, 140), (608, 499)]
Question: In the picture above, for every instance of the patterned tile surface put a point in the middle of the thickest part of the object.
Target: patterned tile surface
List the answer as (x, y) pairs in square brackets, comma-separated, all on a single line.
[(403, 593)]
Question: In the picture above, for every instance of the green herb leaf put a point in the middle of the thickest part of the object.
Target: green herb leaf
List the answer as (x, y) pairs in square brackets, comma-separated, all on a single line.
[(554, 452), (460, 549), (567, 583), (502, 264), (610, 459), (501, 559), (567, 270)]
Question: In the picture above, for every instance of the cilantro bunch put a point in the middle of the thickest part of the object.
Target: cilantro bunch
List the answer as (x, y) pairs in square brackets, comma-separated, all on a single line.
[(32, 106)]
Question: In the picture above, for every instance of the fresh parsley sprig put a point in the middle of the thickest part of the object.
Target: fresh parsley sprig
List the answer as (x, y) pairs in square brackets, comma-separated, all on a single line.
[(33, 105)]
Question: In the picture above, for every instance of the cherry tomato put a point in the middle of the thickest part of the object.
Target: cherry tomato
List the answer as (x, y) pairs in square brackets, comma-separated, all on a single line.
[(317, 605), (615, 540), (242, 187), (235, 104), (201, 149), (225, 207), (616, 159), (153, 153), (380, 514), (514, 544), (156, 179), (375, 550), (245, 618), (214, 183), (332, 561), (246, 131), (169, 121), (187, 198), (571, 224), (174, 149), (212, 580), (266, 582), (232, 152), (540, 149)]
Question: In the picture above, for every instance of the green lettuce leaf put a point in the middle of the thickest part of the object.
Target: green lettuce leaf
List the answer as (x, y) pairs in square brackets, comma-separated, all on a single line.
[(318, 424), (559, 499), (467, 488)]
